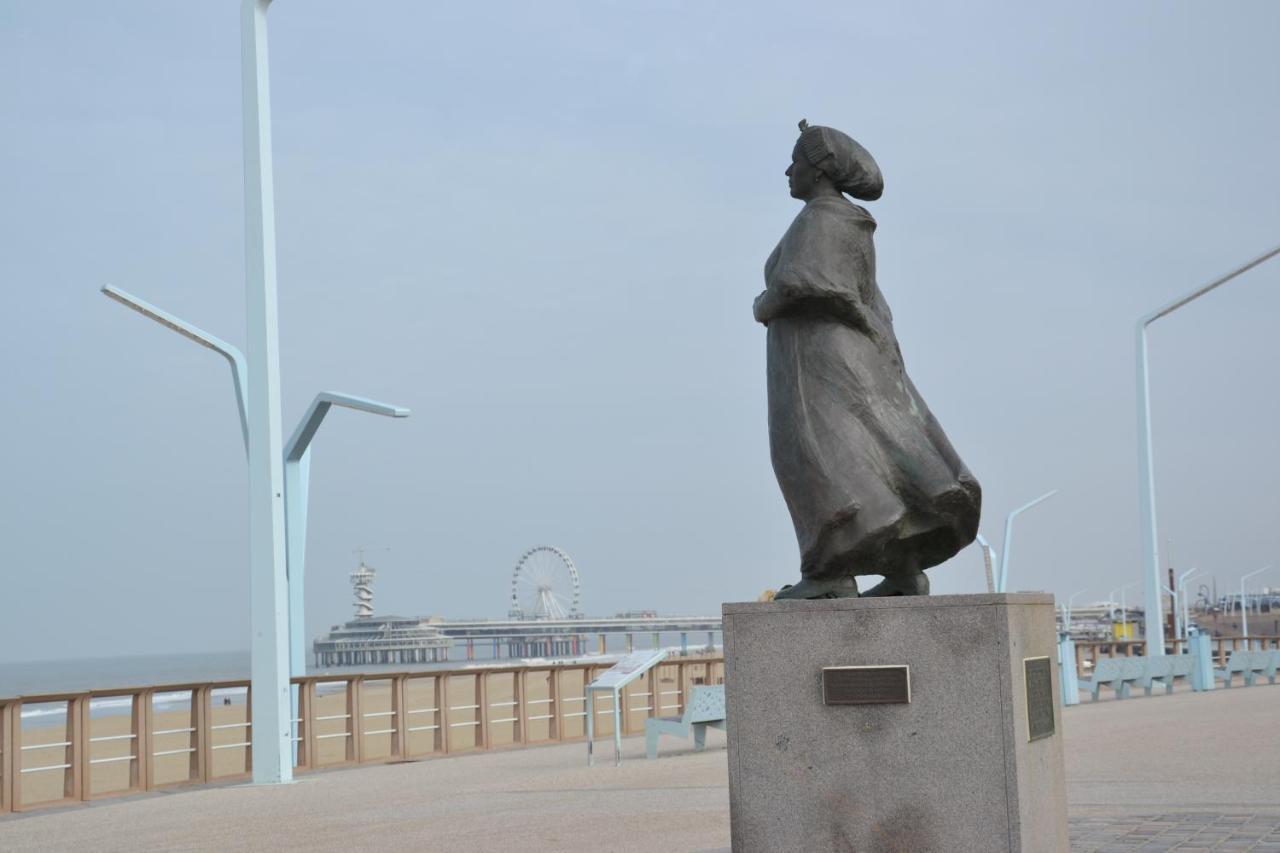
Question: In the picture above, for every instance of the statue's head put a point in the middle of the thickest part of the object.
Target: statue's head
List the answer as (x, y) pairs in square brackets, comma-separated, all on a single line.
[(826, 158)]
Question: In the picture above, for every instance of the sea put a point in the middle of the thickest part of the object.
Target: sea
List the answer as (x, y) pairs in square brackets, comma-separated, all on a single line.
[(35, 678)]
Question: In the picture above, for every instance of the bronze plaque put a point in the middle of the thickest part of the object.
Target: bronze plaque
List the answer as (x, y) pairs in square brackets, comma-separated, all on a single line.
[(1038, 673), (866, 685)]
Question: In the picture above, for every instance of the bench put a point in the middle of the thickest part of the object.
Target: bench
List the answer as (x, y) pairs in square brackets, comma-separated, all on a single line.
[(1165, 669), (1118, 673), (704, 709), (1249, 665)]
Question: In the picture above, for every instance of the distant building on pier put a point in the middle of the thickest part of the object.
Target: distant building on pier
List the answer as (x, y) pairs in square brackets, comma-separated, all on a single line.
[(370, 639)]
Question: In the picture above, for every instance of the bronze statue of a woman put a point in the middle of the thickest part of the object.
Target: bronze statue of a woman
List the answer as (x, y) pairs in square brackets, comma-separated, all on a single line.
[(873, 485)]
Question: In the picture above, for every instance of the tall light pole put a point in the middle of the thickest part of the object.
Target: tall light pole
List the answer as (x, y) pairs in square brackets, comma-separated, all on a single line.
[(1182, 596), (268, 573), (1008, 537), (1154, 615), (1244, 610)]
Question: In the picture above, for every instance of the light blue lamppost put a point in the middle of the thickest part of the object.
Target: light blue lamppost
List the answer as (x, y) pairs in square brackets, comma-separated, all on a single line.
[(1154, 616), (1003, 584), (297, 457), (1244, 605), (268, 573), (297, 477)]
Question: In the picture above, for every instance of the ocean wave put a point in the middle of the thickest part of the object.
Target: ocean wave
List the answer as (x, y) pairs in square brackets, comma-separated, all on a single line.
[(101, 706)]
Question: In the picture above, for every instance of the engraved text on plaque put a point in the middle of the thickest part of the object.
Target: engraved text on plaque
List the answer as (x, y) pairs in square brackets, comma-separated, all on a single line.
[(866, 685), (1039, 678)]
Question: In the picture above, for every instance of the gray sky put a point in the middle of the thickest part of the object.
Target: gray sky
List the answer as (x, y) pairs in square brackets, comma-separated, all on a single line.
[(541, 227)]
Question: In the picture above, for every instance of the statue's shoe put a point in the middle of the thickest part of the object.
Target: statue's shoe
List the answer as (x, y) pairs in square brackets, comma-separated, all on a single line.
[(916, 583), (845, 587)]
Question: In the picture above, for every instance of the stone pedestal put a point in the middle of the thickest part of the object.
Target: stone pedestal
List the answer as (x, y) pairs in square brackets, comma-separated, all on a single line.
[(963, 765)]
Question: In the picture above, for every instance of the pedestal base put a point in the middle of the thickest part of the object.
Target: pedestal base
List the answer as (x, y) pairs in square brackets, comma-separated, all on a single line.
[(972, 761)]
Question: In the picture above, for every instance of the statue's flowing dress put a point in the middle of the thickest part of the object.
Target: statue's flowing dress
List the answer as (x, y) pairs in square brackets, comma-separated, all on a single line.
[(872, 483)]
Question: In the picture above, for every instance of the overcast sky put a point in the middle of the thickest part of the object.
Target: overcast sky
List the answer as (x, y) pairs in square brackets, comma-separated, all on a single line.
[(541, 228)]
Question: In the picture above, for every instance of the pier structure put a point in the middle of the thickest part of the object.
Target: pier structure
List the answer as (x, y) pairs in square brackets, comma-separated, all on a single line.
[(382, 640), (396, 639), (572, 637), (373, 640)]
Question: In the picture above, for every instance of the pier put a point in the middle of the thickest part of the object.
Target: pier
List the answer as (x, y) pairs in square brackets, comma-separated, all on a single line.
[(396, 640), (546, 630)]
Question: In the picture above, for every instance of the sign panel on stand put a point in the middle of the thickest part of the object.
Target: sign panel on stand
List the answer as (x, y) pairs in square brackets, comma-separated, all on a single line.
[(614, 680)]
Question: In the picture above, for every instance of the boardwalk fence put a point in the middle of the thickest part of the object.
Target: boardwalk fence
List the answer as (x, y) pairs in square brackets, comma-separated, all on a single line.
[(65, 748), (1089, 652)]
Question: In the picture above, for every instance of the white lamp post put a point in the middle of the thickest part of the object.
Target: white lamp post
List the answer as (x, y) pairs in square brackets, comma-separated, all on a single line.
[(1244, 610), (1154, 616), (1182, 594), (1003, 585), (989, 561), (1071, 600), (1124, 611)]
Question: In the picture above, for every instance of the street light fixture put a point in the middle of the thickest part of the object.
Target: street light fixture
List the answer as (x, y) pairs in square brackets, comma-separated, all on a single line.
[(1008, 537), (193, 333), (1071, 600), (297, 480), (1066, 612), (1182, 594), (297, 458), (1244, 610), (1124, 610), (989, 561), (1154, 616)]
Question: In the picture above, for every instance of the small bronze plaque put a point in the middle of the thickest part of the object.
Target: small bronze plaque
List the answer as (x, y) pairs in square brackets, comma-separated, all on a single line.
[(866, 685), (1039, 677)]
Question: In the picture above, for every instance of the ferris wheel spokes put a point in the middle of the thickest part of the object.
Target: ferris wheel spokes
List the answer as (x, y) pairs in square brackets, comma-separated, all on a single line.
[(544, 585)]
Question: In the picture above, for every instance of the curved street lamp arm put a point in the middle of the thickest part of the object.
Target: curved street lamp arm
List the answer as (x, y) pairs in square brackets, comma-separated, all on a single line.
[(1154, 615), (1008, 536), (193, 333), (1244, 578), (1205, 288), (306, 430)]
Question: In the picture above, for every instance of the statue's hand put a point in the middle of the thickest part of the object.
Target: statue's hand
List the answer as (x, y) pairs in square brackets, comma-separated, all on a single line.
[(764, 308)]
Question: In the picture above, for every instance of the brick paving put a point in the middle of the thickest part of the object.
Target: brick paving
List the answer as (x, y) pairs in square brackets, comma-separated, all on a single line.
[(1184, 831), (1188, 772)]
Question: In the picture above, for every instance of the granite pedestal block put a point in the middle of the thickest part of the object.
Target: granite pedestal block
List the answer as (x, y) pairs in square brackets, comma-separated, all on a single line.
[(972, 763)]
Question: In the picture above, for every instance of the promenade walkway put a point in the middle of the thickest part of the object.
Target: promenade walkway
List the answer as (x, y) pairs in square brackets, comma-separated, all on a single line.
[(1183, 772)]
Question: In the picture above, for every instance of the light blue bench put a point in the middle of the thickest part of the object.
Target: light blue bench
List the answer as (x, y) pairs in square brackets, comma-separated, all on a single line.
[(1165, 669), (704, 709), (1117, 673), (1249, 665)]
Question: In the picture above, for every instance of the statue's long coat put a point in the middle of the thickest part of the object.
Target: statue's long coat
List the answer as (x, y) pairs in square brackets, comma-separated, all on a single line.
[(872, 483)]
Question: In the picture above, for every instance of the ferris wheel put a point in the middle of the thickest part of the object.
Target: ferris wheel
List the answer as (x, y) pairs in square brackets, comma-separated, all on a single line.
[(544, 585)]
